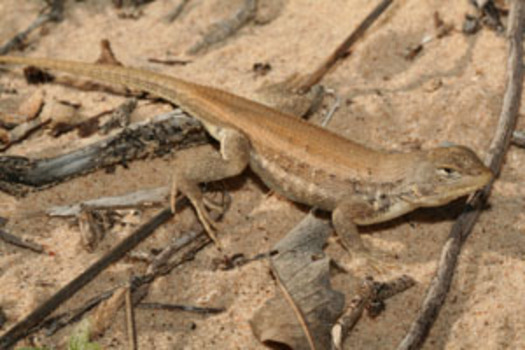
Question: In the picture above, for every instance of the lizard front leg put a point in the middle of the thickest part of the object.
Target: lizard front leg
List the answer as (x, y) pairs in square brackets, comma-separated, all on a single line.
[(205, 164), (343, 220)]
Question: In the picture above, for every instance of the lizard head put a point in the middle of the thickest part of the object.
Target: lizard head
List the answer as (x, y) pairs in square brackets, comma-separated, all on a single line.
[(444, 174)]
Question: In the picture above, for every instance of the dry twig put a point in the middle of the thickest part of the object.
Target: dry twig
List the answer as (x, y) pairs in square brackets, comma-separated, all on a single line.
[(15, 240), (177, 307), (462, 228), (185, 247), (222, 30), (343, 49), (130, 322), (23, 327), (53, 15), (166, 133), (176, 12), (370, 294)]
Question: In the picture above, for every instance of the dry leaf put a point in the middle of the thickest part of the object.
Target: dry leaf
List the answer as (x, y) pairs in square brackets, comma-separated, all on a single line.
[(303, 270)]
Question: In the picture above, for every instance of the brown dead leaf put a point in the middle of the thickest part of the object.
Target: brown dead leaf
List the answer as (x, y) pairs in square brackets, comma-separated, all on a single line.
[(301, 317)]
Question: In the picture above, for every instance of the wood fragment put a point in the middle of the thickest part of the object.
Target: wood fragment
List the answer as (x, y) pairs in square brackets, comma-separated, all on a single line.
[(165, 134), (178, 307), (120, 117), (142, 198), (224, 29), (21, 132), (169, 62), (352, 314), (370, 294), (185, 247), (440, 284), (55, 323), (177, 11), (17, 241), (238, 260), (160, 265), (104, 314), (130, 322)]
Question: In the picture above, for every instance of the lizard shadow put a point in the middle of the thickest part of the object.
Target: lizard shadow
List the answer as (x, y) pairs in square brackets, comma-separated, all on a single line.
[(398, 232), (425, 216)]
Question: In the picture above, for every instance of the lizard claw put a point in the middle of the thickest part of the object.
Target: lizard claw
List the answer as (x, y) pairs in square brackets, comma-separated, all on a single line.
[(207, 222)]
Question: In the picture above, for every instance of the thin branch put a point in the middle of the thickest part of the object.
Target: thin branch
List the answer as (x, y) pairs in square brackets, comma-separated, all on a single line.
[(142, 198), (441, 282), (15, 240), (176, 12), (53, 15), (185, 247), (371, 293), (164, 134), (19, 330), (178, 307), (220, 31), (55, 323), (343, 49), (130, 322)]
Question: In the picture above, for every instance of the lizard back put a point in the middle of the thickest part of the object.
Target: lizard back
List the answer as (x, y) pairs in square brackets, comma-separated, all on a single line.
[(266, 128)]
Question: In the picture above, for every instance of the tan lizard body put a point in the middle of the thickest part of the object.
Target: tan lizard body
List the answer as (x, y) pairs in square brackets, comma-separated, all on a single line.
[(304, 162)]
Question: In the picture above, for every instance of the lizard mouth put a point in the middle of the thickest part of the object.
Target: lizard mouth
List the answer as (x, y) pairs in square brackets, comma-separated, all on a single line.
[(446, 194)]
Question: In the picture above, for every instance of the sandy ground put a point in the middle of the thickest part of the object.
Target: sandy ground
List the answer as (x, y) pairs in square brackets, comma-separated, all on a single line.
[(450, 92)]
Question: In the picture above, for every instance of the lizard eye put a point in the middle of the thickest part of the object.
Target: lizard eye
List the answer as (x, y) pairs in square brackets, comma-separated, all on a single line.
[(447, 172)]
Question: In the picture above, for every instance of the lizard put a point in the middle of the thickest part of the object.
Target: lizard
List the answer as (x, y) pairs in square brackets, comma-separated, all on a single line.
[(303, 162)]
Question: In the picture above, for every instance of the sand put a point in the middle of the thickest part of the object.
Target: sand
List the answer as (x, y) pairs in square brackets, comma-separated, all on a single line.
[(450, 92)]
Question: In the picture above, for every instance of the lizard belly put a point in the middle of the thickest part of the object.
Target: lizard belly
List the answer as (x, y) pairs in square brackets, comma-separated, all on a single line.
[(294, 179)]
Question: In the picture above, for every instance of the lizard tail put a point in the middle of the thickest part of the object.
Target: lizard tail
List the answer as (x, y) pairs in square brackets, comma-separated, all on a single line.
[(168, 88)]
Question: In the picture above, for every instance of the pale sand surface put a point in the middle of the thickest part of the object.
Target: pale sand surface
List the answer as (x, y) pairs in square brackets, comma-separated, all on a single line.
[(450, 92)]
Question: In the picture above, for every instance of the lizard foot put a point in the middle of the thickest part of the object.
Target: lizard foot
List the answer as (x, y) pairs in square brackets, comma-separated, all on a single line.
[(199, 203), (365, 262), (207, 222), (219, 206)]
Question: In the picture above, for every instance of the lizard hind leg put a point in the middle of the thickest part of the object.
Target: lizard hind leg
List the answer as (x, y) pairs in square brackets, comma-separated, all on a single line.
[(205, 164)]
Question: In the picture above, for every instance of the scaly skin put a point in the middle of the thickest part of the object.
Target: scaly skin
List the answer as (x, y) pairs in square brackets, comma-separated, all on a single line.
[(304, 162)]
